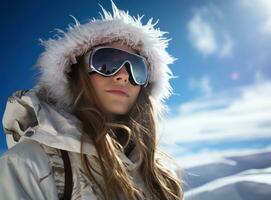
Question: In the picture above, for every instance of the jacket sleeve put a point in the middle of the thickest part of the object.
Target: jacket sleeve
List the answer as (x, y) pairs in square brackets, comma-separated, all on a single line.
[(22, 177)]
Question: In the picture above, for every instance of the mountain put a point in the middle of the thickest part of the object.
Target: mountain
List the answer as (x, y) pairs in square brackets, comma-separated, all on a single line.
[(246, 177)]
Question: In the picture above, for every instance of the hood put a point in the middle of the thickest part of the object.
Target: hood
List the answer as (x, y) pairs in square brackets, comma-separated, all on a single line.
[(61, 52), (28, 117)]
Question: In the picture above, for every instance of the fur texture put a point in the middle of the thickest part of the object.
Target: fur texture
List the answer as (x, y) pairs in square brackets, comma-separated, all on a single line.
[(62, 51)]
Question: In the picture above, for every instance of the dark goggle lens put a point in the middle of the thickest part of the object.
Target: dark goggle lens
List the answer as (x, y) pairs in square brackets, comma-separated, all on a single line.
[(109, 60)]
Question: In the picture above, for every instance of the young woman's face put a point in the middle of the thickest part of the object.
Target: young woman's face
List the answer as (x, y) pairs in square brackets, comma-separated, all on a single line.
[(115, 93)]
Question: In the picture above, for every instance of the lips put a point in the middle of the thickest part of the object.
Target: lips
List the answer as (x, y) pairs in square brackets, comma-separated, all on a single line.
[(120, 92)]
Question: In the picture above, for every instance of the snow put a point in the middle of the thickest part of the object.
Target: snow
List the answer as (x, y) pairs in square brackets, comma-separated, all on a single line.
[(248, 179)]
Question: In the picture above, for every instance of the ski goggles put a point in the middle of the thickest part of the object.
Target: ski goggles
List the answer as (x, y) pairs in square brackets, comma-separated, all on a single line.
[(107, 61)]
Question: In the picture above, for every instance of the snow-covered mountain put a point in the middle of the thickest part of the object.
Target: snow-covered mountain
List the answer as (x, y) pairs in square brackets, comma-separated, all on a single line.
[(245, 177)]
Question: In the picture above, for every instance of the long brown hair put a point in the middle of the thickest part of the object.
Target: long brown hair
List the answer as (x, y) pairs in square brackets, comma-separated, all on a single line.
[(137, 126)]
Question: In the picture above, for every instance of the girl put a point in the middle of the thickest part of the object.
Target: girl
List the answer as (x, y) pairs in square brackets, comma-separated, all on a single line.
[(87, 130)]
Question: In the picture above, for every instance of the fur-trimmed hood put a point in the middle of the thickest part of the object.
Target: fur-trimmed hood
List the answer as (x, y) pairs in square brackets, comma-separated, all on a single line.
[(61, 53)]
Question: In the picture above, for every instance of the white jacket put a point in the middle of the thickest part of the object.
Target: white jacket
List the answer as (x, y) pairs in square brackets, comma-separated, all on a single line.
[(33, 168)]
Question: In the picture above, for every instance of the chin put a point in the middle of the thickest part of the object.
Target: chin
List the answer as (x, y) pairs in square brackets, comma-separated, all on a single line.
[(118, 111)]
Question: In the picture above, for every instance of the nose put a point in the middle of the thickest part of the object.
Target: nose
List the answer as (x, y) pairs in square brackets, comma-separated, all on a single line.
[(122, 76)]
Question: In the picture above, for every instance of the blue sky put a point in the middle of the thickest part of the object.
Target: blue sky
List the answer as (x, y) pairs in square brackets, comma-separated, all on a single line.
[(222, 94)]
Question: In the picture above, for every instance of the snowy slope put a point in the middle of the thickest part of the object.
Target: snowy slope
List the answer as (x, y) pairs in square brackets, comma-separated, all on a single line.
[(237, 178)]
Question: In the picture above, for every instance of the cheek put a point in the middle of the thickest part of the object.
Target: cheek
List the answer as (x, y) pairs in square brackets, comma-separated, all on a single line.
[(96, 81), (136, 91)]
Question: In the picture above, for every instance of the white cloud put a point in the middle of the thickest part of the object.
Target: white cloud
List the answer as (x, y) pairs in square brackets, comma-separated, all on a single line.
[(266, 26), (207, 37), (240, 114), (210, 156), (261, 8), (226, 46), (259, 5), (202, 84), (202, 35)]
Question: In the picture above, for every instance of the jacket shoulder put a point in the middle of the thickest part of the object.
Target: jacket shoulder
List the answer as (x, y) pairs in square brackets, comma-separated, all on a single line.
[(25, 173), (31, 153)]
